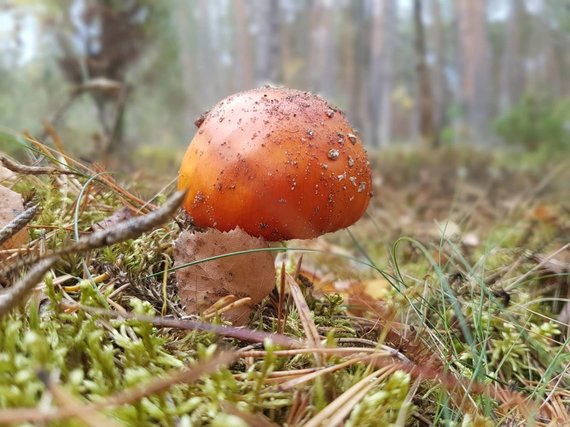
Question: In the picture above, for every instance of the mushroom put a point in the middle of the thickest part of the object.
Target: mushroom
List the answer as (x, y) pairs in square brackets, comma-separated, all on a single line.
[(277, 163)]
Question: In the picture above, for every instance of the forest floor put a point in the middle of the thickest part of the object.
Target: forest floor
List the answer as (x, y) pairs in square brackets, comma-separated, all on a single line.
[(445, 305)]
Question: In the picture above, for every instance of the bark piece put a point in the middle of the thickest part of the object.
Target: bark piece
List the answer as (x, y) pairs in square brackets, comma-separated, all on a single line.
[(200, 286)]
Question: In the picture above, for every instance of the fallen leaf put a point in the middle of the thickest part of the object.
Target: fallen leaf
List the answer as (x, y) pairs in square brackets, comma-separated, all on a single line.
[(117, 217), (543, 213), (6, 176)]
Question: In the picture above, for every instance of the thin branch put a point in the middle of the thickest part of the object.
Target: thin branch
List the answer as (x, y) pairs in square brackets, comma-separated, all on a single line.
[(34, 170), (242, 334), (18, 223), (17, 293)]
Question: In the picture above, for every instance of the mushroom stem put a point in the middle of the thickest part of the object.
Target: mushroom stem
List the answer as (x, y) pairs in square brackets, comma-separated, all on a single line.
[(249, 277)]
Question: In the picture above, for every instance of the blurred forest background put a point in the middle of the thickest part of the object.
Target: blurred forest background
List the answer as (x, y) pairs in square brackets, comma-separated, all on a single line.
[(121, 77)]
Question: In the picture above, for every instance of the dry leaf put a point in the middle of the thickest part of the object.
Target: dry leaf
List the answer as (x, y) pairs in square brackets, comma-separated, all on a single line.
[(11, 205), (544, 213), (202, 285), (117, 217), (6, 176)]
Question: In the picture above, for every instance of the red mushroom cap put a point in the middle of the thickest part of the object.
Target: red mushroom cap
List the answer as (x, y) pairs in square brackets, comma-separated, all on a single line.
[(277, 162)]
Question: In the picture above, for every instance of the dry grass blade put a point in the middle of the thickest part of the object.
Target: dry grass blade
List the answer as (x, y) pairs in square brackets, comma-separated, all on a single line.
[(131, 395), (17, 223), (342, 405), (231, 306), (242, 334), (312, 375), (309, 326), (321, 350)]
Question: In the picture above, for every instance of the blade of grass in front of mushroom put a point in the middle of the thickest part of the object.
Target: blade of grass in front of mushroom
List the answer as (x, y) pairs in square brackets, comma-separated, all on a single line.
[(270, 249)]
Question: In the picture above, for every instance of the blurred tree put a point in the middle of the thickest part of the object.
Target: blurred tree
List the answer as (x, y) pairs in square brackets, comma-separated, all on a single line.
[(381, 59), (244, 69), (426, 102), (322, 60), (355, 64), (441, 91), (475, 70), (268, 46), (99, 41), (512, 74), (170, 61)]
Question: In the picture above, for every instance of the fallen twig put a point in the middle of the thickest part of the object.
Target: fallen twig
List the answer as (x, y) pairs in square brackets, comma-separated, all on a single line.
[(242, 334), (34, 170), (17, 223)]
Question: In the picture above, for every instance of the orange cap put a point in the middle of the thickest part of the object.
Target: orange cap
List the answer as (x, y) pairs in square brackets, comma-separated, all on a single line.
[(279, 163)]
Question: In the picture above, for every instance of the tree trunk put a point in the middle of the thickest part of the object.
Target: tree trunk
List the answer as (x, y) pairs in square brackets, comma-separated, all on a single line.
[(426, 104), (476, 70), (322, 64), (380, 86), (244, 72), (512, 75), (268, 60), (357, 88), (441, 95)]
